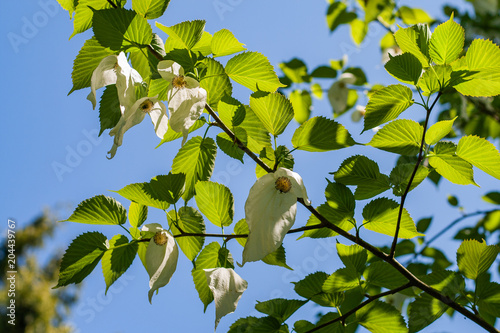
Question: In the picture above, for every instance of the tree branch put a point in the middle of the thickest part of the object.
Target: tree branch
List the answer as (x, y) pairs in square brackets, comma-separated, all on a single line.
[(407, 190), (112, 4), (324, 223), (365, 303)]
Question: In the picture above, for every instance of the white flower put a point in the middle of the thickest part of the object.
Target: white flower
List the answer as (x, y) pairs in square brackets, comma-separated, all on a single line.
[(161, 257), (114, 69), (227, 287), (134, 114), (338, 92), (270, 212), (186, 100)]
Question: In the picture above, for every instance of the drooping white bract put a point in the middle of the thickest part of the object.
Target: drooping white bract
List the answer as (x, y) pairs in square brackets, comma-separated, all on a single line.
[(338, 92), (115, 69), (270, 212), (227, 287), (186, 99), (161, 257), (134, 114)]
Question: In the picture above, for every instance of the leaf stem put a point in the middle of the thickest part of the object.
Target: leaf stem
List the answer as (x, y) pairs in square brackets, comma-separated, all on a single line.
[(412, 177), (112, 4)]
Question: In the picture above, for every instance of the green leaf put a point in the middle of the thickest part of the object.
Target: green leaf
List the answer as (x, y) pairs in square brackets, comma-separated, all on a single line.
[(224, 43), (438, 131), (171, 135), (302, 105), (273, 109), (229, 146), (387, 104), (99, 210), (435, 79), (381, 215), (81, 257), (324, 72), (354, 257), (440, 260), (359, 74), (231, 111), (401, 136), (159, 87), (492, 197), (160, 192), (320, 134), (337, 14), (475, 258), (116, 261), (109, 108), (204, 45), (196, 160), (258, 325), (185, 34), (424, 310), (414, 40), (451, 166), (358, 30), (295, 70), (69, 5), (216, 202), (401, 174), (341, 280), (488, 294), (311, 288), (449, 282), (269, 157), (412, 16), (405, 68), (212, 256), (380, 317), (317, 91), (383, 275), (481, 77), (84, 13), (189, 220), (481, 153), (119, 28), (360, 170), (86, 62), (215, 82), (253, 70), (137, 214), (279, 308), (341, 219), (257, 135), (447, 42), (150, 9)]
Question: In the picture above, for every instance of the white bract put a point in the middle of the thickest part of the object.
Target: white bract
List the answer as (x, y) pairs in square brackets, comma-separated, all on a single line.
[(338, 92), (227, 287), (161, 257), (270, 212), (186, 99), (134, 114), (115, 69)]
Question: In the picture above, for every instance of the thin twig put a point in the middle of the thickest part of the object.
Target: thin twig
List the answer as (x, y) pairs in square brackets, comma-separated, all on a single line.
[(448, 227), (112, 4), (407, 190), (324, 223), (365, 303)]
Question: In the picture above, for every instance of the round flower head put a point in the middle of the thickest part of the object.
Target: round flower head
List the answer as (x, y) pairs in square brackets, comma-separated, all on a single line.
[(135, 114), (270, 211), (161, 257), (227, 287), (186, 100), (338, 92)]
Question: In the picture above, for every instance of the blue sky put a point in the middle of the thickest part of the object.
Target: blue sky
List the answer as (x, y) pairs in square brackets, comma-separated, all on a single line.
[(43, 129)]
